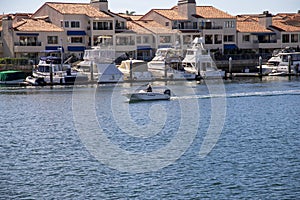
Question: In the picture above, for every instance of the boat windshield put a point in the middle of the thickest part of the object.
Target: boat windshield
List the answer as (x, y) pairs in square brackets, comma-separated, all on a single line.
[(42, 68)]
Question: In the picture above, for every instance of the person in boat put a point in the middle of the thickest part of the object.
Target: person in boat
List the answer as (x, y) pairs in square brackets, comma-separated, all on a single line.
[(149, 88)]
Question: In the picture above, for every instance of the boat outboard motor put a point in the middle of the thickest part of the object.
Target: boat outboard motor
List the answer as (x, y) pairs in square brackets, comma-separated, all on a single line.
[(168, 92)]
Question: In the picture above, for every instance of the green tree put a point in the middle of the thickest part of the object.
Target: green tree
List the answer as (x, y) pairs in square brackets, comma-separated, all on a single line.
[(130, 12)]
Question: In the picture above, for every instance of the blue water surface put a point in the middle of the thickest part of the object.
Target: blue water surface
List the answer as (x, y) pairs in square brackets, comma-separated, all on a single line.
[(257, 155)]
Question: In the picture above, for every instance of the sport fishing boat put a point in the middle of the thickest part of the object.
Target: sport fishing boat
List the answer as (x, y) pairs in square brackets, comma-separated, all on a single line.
[(144, 95), (198, 61)]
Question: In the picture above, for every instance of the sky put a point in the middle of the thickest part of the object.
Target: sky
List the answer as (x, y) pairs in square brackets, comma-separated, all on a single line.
[(233, 7)]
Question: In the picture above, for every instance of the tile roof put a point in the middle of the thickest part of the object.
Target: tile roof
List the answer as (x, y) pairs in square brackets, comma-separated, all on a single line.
[(136, 27), (155, 27), (251, 27), (201, 11), (33, 25), (212, 12), (283, 26), (132, 17), (170, 14), (78, 9)]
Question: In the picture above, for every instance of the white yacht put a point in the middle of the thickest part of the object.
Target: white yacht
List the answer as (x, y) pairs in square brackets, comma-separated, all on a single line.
[(103, 56), (279, 63), (138, 68), (167, 61), (61, 73), (198, 61)]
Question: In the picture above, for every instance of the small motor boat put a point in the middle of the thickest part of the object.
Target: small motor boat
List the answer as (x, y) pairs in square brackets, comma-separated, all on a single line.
[(35, 81), (143, 95)]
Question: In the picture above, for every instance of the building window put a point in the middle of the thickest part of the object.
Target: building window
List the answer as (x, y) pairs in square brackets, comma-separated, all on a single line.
[(228, 38), (167, 23), (28, 41), (104, 41), (138, 39), (103, 26), (75, 24), (52, 39), (125, 40), (246, 38), (218, 39), (76, 40), (208, 39), (67, 24), (229, 24), (146, 39), (165, 39), (285, 38), (294, 38)]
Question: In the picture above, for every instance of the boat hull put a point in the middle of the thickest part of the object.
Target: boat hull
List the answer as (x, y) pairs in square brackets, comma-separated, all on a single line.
[(148, 96)]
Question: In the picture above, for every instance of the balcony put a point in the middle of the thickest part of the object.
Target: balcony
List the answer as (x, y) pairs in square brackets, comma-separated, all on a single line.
[(28, 47), (28, 44)]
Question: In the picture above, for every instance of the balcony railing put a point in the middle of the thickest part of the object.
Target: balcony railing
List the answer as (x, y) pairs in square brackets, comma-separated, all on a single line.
[(264, 41), (31, 44)]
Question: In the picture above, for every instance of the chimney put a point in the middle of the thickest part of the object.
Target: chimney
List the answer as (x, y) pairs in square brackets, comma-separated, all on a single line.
[(101, 5), (187, 8), (265, 19), (7, 36)]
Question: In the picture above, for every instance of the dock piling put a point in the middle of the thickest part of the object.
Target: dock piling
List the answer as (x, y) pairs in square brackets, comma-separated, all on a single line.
[(290, 64), (130, 69), (230, 67), (92, 70), (51, 74)]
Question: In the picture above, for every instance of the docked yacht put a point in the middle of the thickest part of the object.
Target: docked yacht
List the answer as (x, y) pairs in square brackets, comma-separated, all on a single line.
[(279, 63), (198, 61), (103, 56), (137, 68), (167, 62), (61, 73)]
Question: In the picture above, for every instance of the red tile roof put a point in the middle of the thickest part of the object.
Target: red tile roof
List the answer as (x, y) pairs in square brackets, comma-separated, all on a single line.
[(78, 9), (136, 27), (155, 27), (251, 27), (34, 25), (283, 26), (212, 12), (170, 14)]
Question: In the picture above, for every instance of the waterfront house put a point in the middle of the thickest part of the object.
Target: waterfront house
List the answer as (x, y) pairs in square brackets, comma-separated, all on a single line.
[(216, 27), (265, 32), (78, 26)]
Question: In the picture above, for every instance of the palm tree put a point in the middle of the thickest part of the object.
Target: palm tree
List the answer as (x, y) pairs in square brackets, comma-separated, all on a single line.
[(130, 13)]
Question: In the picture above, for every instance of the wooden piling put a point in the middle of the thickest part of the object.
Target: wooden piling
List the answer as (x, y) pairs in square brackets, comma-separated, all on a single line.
[(290, 64), (92, 70), (130, 70), (51, 74)]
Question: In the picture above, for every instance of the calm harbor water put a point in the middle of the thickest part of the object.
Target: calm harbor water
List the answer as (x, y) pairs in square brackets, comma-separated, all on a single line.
[(257, 155)]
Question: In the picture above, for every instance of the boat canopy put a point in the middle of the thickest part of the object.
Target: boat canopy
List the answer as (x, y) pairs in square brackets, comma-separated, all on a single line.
[(12, 75)]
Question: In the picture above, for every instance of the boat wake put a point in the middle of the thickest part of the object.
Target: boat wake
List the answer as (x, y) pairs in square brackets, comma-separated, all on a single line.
[(241, 94)]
